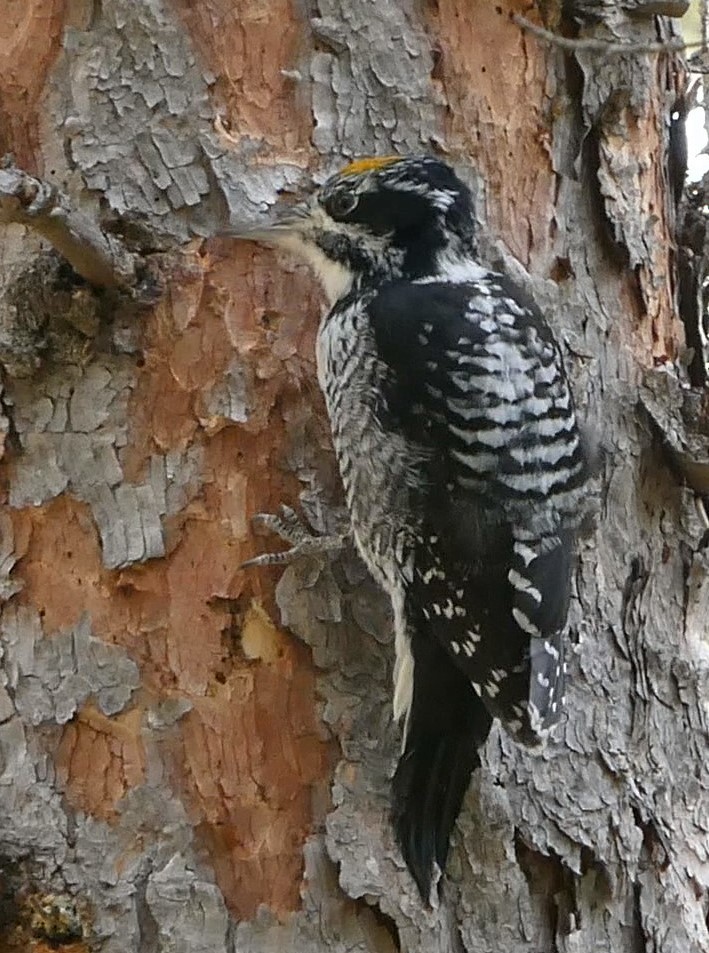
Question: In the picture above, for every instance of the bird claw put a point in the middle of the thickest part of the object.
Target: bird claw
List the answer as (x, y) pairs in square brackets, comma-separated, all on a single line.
[(289, 526)]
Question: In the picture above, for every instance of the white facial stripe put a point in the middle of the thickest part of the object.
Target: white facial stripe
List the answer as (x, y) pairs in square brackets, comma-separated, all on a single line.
[(335, 277)]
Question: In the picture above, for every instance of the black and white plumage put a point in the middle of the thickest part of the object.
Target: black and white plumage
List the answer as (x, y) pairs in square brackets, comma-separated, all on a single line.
[(456, 437)]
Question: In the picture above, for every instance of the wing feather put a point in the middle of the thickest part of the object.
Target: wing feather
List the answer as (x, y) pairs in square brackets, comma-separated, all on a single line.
[(474, 378)]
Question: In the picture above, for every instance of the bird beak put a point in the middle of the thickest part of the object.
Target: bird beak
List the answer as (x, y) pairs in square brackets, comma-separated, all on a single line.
[(275, 229)]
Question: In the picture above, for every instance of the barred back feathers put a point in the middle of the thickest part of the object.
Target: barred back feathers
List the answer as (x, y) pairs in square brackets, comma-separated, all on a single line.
[(456, 437)]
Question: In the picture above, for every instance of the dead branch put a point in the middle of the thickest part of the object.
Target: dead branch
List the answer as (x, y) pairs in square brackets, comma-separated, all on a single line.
[(600, 46), (99, 258)]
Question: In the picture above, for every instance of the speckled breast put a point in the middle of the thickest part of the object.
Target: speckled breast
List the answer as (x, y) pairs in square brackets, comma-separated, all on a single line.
[(378, 467)]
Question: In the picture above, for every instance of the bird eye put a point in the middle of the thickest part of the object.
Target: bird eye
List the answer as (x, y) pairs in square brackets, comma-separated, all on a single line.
[(341, 204)]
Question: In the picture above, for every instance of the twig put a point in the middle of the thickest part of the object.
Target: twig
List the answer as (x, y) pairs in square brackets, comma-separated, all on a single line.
[(589, 45), (99, 258)]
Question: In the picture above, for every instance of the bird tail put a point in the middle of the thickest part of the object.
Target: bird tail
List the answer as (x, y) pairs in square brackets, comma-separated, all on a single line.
[(446, 724)]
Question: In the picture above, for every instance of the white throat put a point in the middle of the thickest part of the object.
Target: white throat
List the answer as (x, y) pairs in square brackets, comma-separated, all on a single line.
[(335, 278)]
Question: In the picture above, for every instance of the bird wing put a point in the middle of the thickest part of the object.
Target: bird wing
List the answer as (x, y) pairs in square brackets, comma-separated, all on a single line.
[(474, 379)]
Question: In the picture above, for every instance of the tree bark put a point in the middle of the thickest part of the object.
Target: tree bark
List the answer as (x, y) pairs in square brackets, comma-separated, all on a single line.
[(195, 757)]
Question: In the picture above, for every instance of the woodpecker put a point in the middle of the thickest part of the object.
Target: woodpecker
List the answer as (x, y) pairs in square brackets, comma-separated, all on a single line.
[(456, 437)]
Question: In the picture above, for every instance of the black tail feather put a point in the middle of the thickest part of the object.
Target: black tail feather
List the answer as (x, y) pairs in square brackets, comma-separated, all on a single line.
[(446, 726)]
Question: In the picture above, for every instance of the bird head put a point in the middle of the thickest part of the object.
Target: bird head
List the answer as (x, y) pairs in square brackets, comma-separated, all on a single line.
[(377, 219)]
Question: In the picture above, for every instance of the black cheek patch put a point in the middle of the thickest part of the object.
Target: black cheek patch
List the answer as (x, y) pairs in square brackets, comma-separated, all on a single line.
[(334, 244), (342, 248), (388, 211)]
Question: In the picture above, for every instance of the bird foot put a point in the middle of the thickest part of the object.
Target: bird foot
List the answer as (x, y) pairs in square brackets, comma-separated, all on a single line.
[(289, 526)]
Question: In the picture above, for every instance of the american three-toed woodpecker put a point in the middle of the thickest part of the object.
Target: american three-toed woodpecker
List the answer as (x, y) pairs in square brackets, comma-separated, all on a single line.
[(456, 437)]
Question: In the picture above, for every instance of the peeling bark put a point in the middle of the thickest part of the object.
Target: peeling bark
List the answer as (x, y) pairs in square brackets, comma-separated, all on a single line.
[(197, 758)]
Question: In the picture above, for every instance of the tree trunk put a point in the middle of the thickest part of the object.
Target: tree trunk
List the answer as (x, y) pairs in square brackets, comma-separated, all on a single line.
[(196, 757)]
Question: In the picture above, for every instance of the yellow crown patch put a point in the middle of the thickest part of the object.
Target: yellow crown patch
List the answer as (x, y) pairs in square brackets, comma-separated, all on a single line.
[(368, 165)]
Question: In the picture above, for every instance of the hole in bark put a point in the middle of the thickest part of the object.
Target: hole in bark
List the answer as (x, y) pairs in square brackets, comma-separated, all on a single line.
[(552, 884), (437, 58), (597, 874), (561, 270), (232, 648), (383, 920), (147, 925), (638, 940), (656, 854)]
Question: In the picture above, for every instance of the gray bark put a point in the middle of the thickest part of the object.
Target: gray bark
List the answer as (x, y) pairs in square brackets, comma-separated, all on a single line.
[(600, 842)]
